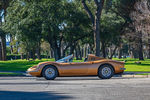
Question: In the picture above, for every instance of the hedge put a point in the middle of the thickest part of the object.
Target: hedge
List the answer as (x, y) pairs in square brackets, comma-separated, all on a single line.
[(17, 56)]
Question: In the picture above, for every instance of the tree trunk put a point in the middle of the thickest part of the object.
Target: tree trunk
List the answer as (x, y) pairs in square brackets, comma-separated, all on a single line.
[(135, 53), (85, 51), (3, 45), (30, 54), (76, 52), (27, 56), (57, 53), (64, 53), (148, 48), (56, 49), (112, 54), (95, 22), (11, 47), (140, 51), (22, 56), (33, 54), (72, 48), (52, 53), (0, 51), (39, 52), (91, 49), (119, 53), (103, 50), (131, 54), (80, 54), (97, 37)]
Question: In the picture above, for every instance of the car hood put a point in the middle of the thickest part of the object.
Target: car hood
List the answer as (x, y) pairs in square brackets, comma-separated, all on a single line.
[(47, 62)]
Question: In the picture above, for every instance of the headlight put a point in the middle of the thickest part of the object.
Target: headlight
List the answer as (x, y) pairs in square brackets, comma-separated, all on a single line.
[(38, 67)]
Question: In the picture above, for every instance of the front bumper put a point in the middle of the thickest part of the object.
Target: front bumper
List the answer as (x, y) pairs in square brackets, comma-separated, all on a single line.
[(34, 71), (29, 71)]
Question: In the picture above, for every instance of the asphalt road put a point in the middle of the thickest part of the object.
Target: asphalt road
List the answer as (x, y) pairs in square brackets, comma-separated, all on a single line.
[(74, 88)]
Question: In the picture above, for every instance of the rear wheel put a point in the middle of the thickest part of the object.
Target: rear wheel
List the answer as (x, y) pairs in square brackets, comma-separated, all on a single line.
[(105, 72), (50, 72)]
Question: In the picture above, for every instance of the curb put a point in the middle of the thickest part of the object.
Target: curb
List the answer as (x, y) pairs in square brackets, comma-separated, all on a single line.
[(136, 76), (133, 73)]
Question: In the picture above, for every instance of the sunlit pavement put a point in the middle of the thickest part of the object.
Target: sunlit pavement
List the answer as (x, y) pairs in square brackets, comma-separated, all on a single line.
[(74, 88)]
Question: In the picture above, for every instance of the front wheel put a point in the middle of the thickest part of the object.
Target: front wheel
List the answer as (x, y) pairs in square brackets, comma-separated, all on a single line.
[(50, 72), (105, 72)]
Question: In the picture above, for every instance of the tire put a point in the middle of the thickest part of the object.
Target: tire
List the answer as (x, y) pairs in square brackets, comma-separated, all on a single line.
[(49, 72), (105, 72)]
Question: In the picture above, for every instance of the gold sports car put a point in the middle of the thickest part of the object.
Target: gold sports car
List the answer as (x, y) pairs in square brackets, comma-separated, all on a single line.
[(93, 65)]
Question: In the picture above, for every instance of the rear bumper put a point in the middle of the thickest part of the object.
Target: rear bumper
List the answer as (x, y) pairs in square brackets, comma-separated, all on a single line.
[(122, 68)]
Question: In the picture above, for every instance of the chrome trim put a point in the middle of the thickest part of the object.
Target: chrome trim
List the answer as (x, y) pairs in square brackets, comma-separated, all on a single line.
[(122, 68), (32, 71), (50, 72), (106, 71)]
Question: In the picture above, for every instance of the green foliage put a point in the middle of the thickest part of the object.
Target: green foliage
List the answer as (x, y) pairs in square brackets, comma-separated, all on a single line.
[(51, 20), (77, 24), (111, 25), (18, 56), (123, 8), (8, 50), (22, 22), (10, 74)]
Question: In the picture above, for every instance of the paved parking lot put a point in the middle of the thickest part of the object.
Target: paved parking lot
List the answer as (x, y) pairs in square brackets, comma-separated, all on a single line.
[(74, 88)]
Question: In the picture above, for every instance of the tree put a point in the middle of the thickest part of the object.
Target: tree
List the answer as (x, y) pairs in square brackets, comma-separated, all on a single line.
[(63, 31), (25, 25), (128, 11), (3, 6), (60, 23), (111, 26), (77, 26), (95, 19)]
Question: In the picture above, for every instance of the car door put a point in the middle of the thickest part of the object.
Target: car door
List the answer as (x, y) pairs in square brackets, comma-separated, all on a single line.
[(75, 68)]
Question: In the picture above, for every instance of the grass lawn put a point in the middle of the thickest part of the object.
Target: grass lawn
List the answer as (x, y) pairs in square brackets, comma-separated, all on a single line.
[(19, 65), (130, 65), (23, 65)]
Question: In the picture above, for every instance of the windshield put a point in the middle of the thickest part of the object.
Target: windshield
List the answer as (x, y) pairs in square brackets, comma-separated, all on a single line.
[(66, 59)]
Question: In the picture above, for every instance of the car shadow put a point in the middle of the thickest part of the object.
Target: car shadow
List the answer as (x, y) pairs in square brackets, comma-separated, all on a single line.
[(81, 78), (29, 83), (46, 95), (70, 78)]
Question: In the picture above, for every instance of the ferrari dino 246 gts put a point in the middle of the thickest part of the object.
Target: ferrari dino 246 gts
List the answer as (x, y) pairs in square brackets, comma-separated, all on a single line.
[(93, 65)]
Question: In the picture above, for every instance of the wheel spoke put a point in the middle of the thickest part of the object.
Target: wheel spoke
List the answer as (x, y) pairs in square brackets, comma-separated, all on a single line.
[(50, 72), (106, 71)]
